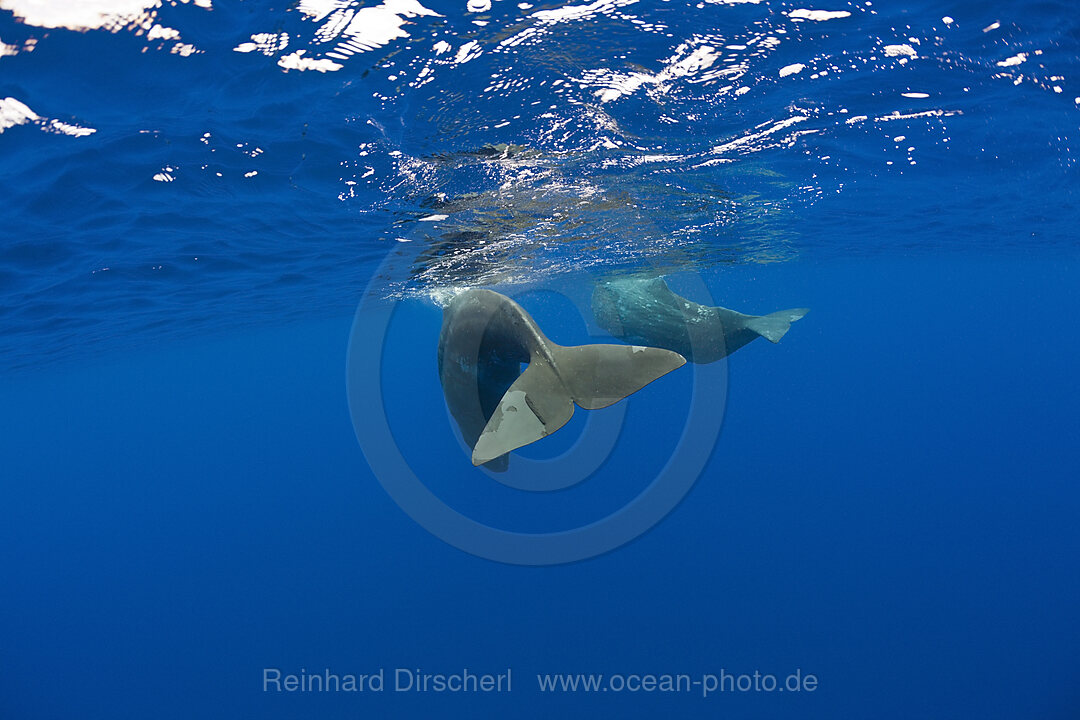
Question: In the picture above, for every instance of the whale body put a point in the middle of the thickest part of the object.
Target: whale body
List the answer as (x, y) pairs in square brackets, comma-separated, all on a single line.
[(485, 339), (646, 311)]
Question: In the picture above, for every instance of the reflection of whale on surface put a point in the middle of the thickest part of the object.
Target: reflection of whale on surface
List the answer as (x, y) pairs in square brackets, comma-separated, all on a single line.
[(484, 340), (503, 151), (647, 311)]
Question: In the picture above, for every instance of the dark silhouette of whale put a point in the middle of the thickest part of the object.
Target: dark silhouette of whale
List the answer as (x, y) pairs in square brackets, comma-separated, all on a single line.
[(646, 311), (485, 339)]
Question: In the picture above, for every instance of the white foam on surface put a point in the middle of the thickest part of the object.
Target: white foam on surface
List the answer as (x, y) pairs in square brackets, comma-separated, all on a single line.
[(1014, 60), (297, 61), (818, 15), (902, 50), (82, 15), (579, 12), (15, 112)]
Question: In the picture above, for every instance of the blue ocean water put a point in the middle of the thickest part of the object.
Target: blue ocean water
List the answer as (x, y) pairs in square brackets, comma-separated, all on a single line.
[(198, 196)]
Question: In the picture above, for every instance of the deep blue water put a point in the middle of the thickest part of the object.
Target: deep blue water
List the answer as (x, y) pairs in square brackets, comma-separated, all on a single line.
[(190, 220)]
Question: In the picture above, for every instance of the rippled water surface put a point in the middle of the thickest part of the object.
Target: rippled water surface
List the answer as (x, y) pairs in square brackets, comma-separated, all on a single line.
[(183, 165), (196, 194)]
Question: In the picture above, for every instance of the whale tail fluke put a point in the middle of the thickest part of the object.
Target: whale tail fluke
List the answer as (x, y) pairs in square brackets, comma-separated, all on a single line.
[(601, 375), (542, 398), (775, 325)]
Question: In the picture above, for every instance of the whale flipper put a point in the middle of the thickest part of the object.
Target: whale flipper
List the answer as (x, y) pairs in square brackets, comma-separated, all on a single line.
[(542, 399)]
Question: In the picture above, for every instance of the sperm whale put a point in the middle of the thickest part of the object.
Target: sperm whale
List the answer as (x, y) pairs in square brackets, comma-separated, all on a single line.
[(645, 310)]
